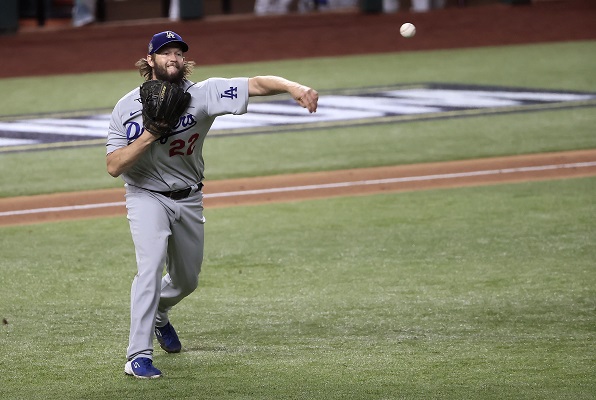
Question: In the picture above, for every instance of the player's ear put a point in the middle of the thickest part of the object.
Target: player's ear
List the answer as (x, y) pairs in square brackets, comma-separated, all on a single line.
[(150, 60)]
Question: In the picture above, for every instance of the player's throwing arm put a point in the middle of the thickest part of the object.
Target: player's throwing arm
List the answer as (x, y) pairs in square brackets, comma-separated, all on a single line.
[(270, 85)]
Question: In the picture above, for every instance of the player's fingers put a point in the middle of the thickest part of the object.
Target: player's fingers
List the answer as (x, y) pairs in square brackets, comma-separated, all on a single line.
[(311, 104), (309, 100)]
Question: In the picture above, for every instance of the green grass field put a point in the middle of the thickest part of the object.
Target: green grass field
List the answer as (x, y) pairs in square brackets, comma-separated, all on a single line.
[(467, 293), (562, 66), (475, 293)]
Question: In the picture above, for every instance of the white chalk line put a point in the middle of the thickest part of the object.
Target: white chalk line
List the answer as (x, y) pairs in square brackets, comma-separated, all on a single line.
[(324, 186)]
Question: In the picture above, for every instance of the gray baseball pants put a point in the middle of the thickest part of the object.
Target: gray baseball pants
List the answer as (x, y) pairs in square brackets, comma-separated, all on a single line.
[(168, 233)]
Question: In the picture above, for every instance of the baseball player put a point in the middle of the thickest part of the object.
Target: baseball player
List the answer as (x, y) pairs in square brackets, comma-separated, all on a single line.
[(160, 159)]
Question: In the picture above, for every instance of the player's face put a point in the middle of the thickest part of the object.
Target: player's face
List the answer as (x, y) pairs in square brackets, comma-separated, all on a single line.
[(168, 64)]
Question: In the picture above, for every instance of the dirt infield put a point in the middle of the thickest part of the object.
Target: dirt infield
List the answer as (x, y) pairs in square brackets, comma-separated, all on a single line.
[(287, 188), (242, 39)]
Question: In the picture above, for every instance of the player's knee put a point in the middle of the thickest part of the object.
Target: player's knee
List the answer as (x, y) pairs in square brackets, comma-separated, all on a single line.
[(190, 285)]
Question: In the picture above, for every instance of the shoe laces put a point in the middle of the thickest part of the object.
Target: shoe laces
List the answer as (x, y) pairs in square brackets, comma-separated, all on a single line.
[(144, 362), (167, 330)]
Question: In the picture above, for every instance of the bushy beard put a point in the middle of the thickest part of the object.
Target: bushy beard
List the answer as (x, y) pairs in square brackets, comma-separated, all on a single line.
[(162, 74)]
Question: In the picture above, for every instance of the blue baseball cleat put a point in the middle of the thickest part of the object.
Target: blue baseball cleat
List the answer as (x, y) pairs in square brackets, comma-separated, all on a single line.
[(141, 368), (168, 339)]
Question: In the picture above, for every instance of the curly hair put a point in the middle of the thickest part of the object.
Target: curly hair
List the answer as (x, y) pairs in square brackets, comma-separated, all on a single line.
[(146, 71)]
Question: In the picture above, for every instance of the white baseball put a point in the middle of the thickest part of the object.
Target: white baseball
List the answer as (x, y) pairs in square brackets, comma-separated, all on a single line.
[(407, 30)]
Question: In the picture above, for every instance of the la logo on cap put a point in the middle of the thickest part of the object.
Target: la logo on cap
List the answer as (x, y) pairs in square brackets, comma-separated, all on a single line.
[(162, 38)]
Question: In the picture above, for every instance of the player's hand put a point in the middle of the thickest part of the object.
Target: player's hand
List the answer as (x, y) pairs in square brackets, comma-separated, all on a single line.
[(155, 133), (306, 97)]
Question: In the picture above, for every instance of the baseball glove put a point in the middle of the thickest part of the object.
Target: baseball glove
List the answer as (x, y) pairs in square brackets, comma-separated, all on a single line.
[(163, 105)]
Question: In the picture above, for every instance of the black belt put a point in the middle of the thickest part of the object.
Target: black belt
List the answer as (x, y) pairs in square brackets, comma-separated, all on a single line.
[(179, 194)]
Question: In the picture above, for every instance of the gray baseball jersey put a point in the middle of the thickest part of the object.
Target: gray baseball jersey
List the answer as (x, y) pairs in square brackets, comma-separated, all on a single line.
[(176, 162)]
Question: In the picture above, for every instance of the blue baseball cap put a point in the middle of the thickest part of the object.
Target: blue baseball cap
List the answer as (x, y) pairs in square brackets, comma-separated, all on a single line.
[(161, 39)]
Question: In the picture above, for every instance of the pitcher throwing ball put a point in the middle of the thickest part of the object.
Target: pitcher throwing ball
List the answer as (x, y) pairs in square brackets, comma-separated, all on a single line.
[(155, 142)]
